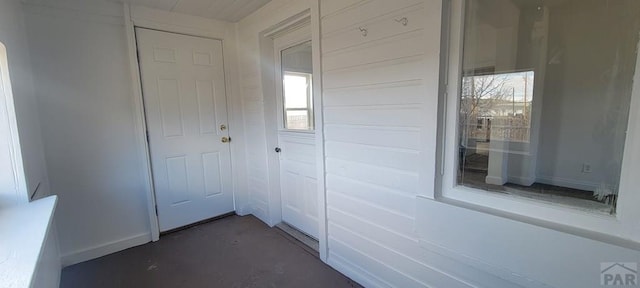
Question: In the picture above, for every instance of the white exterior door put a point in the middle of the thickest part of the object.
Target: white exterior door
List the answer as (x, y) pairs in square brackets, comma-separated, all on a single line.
[(185, 105), (296, 137)]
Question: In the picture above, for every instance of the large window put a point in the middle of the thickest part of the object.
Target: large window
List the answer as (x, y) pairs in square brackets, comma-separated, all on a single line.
[(539, 104)]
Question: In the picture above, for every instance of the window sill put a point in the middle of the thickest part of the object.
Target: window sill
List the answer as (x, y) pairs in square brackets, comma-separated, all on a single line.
[(566, 202), (587, 224), (23, 233), (298, 132)]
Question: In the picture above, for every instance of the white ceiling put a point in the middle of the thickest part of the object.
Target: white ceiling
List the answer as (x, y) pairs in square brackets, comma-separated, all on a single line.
[(227, 10)]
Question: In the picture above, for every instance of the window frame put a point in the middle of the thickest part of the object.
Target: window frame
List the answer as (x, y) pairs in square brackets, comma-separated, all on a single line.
[(280, 44), (17, 188), (624, 225)]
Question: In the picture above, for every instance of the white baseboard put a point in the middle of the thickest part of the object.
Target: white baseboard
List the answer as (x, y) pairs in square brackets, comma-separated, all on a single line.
[(104, 249), (494, 180), (261, 214), (353, 272), (243, 210), (524, 181)]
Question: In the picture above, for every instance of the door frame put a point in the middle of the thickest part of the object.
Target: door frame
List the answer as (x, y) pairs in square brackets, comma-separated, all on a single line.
[(267, 57), (291, 37), (156, 20)]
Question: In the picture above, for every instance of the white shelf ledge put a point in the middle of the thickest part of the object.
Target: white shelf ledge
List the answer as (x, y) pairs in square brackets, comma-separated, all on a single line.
[(23, 233)]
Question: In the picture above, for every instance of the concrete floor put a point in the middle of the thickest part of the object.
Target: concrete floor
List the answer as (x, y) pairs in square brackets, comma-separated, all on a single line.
[(229, 252)]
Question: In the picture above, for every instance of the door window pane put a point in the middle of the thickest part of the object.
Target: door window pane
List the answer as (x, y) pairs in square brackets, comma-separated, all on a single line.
[(295, 91), (297, 119), (297, 87)]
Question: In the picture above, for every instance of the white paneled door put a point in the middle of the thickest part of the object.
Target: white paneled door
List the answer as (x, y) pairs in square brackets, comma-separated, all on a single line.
[(298, 181), (185, 106)]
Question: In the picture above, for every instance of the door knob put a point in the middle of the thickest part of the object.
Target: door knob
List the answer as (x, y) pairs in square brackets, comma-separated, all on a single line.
[(226, 139), (278, 149)]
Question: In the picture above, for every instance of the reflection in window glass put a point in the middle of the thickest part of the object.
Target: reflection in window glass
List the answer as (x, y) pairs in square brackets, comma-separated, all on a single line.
[(545, 96), (499, 103)]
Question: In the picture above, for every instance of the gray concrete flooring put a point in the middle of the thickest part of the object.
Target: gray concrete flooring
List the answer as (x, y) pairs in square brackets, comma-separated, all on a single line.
[(230, 252)]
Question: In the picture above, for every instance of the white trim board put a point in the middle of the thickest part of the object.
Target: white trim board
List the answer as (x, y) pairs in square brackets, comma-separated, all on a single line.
[(104, 249), (177, 23), (140, 127), (27, 243), (268, 41), (316, 43), (271, 126), (9, 131)]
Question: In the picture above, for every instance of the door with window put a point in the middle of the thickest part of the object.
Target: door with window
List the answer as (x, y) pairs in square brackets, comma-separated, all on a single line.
[(185, 106), (296, 137)]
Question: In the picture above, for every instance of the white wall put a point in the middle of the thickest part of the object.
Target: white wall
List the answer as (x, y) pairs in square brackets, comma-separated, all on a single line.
[(83, 86), (13, 35), (586, 98), (380, 98), (380, 105), (92, 134)]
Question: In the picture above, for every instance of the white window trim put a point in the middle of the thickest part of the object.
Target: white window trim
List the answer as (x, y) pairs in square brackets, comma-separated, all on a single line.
[(625, 225), (9, 129), (280, 44)]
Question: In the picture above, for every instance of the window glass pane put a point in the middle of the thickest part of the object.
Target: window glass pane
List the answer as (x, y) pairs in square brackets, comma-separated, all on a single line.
[(297, 119), (297, 89), (544, 102)]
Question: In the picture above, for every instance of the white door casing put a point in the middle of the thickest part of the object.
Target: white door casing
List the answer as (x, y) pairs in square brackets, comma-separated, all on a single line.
[(13, 185), (185, 107), (298, 177)]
